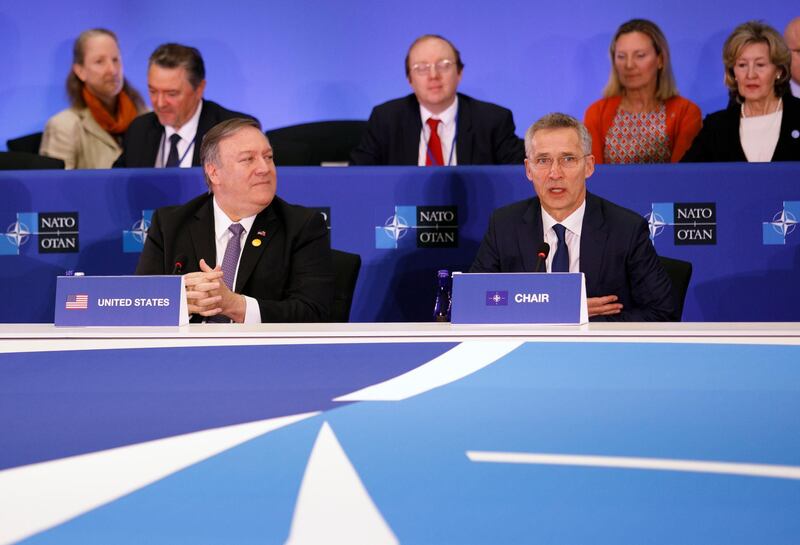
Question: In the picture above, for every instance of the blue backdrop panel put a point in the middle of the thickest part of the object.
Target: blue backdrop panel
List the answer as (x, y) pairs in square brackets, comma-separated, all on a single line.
[(301, 61), (737, 224)]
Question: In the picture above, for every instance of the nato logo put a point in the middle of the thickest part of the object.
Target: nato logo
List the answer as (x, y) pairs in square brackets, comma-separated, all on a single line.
[(496, 298), (133, 240), (419, 226), (693, 223), (782, 225), (57, 233)]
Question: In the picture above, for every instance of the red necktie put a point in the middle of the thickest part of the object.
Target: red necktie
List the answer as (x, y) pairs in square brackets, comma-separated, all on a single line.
[(434, 155)]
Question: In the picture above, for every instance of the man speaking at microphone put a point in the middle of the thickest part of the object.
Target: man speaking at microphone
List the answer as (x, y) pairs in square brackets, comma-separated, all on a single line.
[(609, 244), (248, 255)]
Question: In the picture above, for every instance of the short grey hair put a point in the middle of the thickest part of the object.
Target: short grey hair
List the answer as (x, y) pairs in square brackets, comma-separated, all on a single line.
[(558, 121), (209, 149)]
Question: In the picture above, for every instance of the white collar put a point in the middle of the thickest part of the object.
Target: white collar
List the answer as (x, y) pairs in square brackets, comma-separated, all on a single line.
[(222, 221), (447, 117), (573, 222), (189, 129)]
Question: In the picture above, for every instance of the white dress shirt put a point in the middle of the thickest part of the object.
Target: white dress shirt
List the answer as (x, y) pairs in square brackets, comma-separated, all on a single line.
[(186, 144), (573, 223), (446, 130), (221, 237)]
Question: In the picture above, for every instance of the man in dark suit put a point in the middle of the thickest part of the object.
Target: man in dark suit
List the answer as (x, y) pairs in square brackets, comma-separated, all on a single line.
[(170, 135), (248, 255), (436, 126), (588, 234)]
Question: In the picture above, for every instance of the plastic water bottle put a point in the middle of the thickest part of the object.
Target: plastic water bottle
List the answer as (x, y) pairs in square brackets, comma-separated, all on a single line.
[(441, 309)]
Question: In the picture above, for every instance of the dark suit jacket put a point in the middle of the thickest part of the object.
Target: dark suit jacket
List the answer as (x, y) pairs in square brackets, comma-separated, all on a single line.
[(290, 273), (617, 257), (718, 140), (141, 142), (484, 135)]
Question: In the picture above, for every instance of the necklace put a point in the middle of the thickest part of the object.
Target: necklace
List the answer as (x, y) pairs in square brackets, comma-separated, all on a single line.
[(777, 107)]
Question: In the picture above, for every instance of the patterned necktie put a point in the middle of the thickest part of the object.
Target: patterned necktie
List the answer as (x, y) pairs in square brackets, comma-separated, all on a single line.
[(172, 159), (561, 259), (433, 156), (229, 264)]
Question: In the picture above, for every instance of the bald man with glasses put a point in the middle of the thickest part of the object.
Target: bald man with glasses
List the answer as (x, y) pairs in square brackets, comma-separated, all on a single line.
[(436, 125), (625, 280)]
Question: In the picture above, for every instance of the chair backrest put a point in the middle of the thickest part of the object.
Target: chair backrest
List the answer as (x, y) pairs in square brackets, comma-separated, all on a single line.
[(679, 272), (345, 267), (29, 143), (311, 144), (18, 160)]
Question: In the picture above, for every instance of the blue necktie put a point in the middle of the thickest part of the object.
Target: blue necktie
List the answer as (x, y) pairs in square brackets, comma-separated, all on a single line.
[(561, 259), (230, 262), (173, 160)]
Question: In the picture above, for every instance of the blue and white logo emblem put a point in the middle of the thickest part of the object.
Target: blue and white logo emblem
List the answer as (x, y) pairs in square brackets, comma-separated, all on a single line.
[(432, 227), (496, 298), (396, 226), (694, 223), (57, 233), (782, 225), (133, 239), (661, 215), (17, 234)]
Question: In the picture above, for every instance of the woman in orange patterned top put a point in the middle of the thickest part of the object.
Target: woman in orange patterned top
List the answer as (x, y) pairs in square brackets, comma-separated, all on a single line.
[(642, 119)]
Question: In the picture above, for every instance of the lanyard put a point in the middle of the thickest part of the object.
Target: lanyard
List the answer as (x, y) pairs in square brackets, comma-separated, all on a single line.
[(164, 150)]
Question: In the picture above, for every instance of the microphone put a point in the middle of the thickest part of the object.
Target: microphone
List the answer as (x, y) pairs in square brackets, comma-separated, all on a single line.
[(180, 263), (541, 257)]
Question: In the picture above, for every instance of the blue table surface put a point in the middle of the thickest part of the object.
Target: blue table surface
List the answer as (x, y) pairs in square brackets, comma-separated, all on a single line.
[(708, 402)]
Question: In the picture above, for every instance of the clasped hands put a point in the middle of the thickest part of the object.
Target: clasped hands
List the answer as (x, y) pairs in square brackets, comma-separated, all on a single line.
[(208, 295)]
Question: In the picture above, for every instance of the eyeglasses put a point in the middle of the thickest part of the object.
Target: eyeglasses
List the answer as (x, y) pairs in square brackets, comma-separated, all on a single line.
[(424, 68), (566, 162)]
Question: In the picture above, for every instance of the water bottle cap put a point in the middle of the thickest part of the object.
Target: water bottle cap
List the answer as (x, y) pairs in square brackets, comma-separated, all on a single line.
[(444, 273)]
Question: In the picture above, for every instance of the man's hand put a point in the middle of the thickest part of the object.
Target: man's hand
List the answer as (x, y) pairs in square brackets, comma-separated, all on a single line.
[(207, 294), (603, 306)]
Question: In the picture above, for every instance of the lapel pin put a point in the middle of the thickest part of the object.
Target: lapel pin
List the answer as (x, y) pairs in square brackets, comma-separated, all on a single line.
[(256, 242), (262, 233)]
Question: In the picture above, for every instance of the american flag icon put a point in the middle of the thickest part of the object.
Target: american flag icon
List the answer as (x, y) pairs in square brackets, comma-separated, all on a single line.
[(77, 301)]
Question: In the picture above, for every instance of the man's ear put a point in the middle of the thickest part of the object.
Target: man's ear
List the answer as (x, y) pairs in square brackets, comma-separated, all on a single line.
[(589, 166), (212, 174)]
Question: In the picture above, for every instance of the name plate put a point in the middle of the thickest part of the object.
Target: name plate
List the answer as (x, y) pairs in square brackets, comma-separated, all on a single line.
[(121, 300), (519, 298)]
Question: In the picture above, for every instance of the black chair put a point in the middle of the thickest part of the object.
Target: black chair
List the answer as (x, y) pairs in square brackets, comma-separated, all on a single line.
[(345, 268), (679, 272), (312, 144), (29, 143), (18, 160)]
